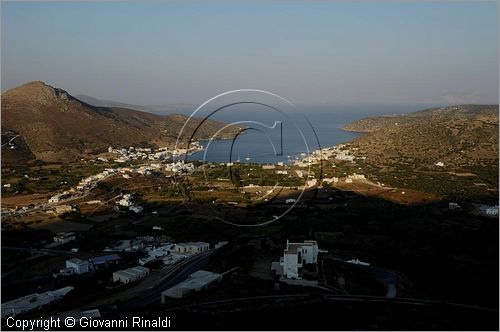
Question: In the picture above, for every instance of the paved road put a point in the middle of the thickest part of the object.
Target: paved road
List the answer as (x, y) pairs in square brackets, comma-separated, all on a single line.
[(177, 277), (45, 206), (10, 141)]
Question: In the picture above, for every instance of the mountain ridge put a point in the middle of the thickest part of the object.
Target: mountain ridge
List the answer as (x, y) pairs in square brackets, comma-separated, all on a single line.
[(59, 127), (374, 123)]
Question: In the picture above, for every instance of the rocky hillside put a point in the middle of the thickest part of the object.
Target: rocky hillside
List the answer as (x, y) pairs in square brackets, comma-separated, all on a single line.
[(463, 135), (460, 141), (52, 125)]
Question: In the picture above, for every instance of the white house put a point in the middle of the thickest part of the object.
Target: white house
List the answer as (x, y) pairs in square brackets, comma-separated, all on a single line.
[(64, 237), (331, 180), (156, 253), (54, 199), (311, 183), (296, 256), (199, 247), (344, 157), (356, 176), (62, 209), (489, 210), (130, 275), (79, 266), (33, 301), (492, 210), (136, 208), (192, 247), (196, 282), (126, 200)]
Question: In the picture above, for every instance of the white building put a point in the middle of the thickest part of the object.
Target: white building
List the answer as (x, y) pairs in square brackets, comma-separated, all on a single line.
[(331, 180), (54, 199), (220, 244), (64, 237), (136, 208), (192, 247), (356, 176), (344, 157), (33, 301), (156, 253), (311, 183), (296, 256), (174, 257), (126, 200), (200, 280), (92, 313), (199, 247), (62, 209), (130, 275), (489, 210), (79, 266)]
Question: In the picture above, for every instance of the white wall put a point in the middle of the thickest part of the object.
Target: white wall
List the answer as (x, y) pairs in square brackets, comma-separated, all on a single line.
[(79, 268), (290, 266)]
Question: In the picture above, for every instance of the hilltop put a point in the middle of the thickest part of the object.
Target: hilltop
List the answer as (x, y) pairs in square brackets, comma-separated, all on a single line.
[(463, 135), (170, 108), (460, 140), (51, 125)]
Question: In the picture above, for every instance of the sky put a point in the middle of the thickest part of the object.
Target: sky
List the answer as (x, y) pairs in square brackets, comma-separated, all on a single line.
[(309, 52)]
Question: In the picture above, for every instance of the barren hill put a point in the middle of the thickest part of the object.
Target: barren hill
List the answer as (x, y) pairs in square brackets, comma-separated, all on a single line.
[(417, 150), (52, 125), (463, 135)]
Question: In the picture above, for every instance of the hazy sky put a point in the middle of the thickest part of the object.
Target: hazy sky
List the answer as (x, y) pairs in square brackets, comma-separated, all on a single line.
[(314, 52)]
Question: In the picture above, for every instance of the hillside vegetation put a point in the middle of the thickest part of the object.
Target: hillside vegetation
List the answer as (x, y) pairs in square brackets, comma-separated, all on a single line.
[(52, 125), (462, 140)]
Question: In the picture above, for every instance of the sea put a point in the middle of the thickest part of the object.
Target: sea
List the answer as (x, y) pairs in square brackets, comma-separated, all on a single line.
[(272, 137)]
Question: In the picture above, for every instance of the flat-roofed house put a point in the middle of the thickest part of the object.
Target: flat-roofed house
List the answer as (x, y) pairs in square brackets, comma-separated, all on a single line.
[(79, 266), (296, 256), (198, 281), (198, 247), (33, 301), (192, 248), (130, 275), (104, 262)]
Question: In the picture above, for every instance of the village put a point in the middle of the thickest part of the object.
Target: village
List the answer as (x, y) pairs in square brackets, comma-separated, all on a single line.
[(148, 266), (302, 173), (99, 267)]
